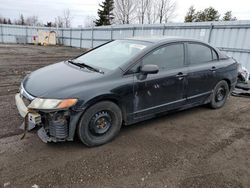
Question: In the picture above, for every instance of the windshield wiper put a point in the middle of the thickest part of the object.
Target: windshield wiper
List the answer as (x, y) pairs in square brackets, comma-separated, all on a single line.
[(83, 65)]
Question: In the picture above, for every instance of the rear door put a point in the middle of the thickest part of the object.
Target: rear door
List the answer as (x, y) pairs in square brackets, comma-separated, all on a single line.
[(202, 61)]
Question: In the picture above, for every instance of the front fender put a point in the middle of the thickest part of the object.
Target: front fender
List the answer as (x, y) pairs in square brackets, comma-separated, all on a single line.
[(81, 108), (111, 97)]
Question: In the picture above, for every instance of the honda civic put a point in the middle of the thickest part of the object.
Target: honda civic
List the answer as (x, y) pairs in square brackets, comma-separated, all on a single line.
[(123, 82)]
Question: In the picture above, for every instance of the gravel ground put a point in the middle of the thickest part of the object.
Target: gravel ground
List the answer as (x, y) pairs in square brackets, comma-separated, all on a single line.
[(199, 147)]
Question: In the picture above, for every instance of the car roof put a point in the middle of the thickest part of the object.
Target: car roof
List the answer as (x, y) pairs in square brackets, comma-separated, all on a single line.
[(160, 39)]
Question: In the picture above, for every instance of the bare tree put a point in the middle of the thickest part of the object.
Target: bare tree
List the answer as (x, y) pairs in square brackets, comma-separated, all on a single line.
[(89, 21), (124, 10), (67, 18), (64, 20), (141, 10), (165, 9), (32, 20), (146, 11), (149, 12), (59, 21), (152, 12)]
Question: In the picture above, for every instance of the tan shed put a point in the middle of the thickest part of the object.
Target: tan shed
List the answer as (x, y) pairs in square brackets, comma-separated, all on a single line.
[(47, 37)]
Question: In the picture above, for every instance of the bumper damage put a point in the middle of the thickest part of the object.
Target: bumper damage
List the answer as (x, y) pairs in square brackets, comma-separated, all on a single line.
[(54, 126), (22, 109)]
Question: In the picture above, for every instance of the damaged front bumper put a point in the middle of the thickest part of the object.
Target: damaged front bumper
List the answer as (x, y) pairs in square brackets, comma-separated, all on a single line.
[(22, 109), (56, 126), (31, 118)]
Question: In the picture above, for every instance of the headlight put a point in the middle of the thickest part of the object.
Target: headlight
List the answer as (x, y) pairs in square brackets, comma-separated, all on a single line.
[(51, 104)]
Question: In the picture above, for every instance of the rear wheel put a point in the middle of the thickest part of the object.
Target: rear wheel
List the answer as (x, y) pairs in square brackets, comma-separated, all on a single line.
[(219, 95), (100, 123)]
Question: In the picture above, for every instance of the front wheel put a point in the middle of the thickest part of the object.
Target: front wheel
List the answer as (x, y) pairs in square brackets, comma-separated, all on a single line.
[(100, 123), (220, 94)]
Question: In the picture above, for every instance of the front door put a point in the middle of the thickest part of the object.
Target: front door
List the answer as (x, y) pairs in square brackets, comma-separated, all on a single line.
[(164, 90)]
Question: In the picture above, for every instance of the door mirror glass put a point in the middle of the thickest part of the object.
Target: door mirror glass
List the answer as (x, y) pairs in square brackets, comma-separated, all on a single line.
[(149, 69)]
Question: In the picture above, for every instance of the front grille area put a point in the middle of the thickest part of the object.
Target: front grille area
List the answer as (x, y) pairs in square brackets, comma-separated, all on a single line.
[(58, 129)]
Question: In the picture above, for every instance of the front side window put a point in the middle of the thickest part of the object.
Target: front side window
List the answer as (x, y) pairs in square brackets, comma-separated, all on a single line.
[(198, 53), (167, 57), (112, 55)]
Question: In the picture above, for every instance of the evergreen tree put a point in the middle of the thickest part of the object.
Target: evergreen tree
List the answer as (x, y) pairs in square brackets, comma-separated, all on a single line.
[(9, 21), (208, 14), (105, 13), (212, 14), (191, 15), (22, 22), (200, 16), (228, 16), (4, 21)]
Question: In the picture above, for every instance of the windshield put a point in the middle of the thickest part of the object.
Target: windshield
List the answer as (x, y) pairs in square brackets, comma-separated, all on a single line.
[(112, 55)]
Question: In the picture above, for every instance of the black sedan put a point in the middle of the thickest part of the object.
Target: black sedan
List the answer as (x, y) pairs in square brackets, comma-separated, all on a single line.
[(123, 82)]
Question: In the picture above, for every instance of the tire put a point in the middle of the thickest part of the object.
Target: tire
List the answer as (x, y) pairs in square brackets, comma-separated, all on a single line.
[(220, 95), (100, 123)]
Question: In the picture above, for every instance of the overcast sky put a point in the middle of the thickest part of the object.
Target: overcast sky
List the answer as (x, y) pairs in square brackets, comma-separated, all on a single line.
[(47, 10)]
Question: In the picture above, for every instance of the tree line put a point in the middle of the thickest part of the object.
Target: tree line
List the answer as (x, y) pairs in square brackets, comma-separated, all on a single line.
[(128, 12), (208, 14), (60, 21), (131, 11), (152, 11)]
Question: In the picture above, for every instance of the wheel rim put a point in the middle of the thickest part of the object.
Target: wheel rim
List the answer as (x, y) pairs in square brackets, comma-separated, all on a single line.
[(100, 123), (220, 94)]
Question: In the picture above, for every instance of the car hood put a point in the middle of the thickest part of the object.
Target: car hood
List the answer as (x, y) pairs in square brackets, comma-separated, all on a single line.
[(59, 80)]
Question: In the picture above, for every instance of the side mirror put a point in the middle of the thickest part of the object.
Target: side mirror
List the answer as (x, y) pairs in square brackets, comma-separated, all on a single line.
[(149, 69)]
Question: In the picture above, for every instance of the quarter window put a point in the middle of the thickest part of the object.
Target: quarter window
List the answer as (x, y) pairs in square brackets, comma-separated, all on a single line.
[(167, 57), (215, 56), (199, 54)]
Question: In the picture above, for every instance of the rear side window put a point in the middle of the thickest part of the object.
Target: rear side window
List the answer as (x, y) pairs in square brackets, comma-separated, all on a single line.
[(198, 53), (167, 57)]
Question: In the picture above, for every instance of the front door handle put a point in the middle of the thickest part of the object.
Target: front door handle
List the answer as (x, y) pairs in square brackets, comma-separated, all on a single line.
[(180, 75), (213, 68)]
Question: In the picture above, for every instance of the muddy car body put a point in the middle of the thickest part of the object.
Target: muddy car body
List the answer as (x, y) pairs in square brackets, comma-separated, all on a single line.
[(123, 82)]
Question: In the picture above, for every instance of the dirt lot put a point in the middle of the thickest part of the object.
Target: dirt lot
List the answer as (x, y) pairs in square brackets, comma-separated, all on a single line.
[(194, 148)]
